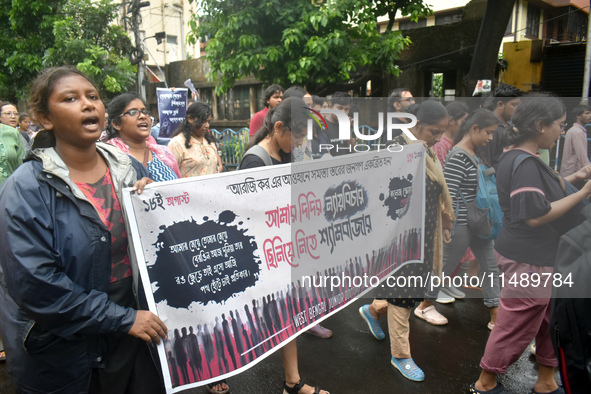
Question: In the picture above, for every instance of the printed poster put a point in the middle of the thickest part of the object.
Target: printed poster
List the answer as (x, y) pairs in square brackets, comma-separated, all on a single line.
[(172, 108), (238, 264)]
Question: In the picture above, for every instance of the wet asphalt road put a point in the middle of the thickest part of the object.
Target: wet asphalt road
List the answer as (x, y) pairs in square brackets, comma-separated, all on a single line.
[(354, 362)]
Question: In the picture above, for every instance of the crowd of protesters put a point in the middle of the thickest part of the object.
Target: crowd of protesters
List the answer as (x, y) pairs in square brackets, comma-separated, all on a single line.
[(68, 328)]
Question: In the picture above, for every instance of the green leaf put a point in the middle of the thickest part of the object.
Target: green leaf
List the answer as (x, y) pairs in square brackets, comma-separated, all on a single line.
[(298, 41)]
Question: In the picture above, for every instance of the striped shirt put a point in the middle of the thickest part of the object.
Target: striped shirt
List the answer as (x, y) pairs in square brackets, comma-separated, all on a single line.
[(460, 173), (160, 172)]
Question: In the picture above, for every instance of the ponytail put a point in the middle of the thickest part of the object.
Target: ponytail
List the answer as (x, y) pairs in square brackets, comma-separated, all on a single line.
[(481, 118)]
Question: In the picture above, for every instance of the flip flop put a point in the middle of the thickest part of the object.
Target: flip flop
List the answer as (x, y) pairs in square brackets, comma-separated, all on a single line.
[(210, 387)]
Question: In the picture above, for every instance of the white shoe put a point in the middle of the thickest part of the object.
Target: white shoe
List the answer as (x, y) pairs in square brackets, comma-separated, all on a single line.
[(443, 298), (430, 315)]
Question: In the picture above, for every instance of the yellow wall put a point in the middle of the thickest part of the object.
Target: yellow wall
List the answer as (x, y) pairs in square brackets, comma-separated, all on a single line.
[(520, 71)]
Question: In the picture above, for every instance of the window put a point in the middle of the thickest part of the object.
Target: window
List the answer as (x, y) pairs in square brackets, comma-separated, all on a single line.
[(444, 19), (533, 21), (171, 40), (408, 24), (237, 103)]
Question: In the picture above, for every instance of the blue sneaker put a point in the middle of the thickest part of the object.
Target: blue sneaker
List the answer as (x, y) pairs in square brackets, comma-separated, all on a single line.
[(408, 369), (372, 322)]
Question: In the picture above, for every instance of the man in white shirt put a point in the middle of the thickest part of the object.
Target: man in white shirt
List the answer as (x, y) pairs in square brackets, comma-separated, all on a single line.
[(574, 156)]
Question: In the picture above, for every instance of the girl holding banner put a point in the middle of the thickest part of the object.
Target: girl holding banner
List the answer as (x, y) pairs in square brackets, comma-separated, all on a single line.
[(69, 314), (281, 130)]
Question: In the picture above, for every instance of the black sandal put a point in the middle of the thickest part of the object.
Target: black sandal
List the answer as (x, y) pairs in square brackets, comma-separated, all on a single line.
[(498, 389), (298, 386), (210, 387)]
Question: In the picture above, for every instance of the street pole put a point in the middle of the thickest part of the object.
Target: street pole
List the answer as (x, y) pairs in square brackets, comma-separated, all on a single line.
[(140, 79), (153, 58), (586, 77)]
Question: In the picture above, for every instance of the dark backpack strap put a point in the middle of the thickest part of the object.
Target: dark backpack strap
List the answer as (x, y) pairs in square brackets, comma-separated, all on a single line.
[(517, 161), (261, 153)]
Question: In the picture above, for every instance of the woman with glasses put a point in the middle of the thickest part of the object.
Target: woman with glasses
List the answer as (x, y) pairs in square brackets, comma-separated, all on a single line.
[(8, 114), (538, 207), (12, 149), (193, 145), (12, 152), (129, 130)]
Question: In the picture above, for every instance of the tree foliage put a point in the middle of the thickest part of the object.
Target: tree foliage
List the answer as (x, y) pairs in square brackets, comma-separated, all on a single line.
[(36, 34), (304, 42)]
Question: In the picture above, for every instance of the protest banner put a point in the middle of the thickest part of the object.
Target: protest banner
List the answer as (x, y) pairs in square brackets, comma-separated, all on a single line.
[(238, 264), (172, 108)]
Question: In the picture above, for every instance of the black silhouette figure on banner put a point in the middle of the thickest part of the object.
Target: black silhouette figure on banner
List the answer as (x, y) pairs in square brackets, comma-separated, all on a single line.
[(295, 300), (267, 314), (290, 307), (219, 347), (254, 331), (229, 344), (173, 368), (249, 343), (237, 338), (246, 349), (331, 292), (283, 308), (304, 302), (369, 268), (270, 319), (275, 311), (181, 354), (207, 346), (259, 320), (194, 354)]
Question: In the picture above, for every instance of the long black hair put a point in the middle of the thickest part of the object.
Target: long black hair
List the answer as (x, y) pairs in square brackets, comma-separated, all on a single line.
[(199, 112), (290, 112), (481, 118), (116, 108), (457, 110), (535, 110)]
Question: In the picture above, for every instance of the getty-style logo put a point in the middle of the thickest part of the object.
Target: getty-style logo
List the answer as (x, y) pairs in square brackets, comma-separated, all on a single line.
[(391, 120)]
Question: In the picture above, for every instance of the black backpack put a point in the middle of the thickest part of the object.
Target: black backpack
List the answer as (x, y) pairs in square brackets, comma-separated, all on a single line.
[(570, 320)]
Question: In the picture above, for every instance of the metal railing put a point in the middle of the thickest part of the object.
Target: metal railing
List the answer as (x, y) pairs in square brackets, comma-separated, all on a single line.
[(232, 145)]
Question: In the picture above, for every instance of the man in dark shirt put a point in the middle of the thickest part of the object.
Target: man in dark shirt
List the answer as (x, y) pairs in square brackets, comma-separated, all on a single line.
[(398, 101), (340, 101), (503, 104)]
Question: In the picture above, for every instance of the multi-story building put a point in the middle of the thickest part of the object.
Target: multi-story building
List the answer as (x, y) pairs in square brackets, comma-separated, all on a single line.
[(543, 46)]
